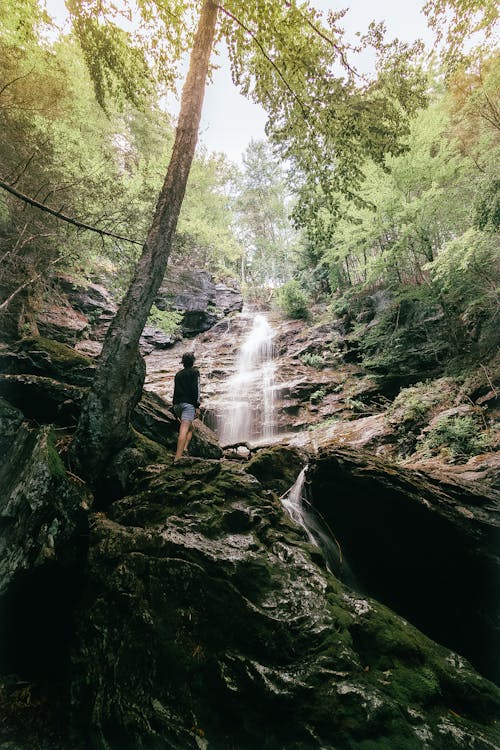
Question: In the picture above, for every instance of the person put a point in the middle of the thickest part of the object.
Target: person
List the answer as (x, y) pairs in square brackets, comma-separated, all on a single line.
[(186, 401)]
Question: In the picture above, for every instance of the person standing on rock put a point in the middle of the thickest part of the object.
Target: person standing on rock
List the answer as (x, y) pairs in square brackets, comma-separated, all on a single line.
[(186, 401)]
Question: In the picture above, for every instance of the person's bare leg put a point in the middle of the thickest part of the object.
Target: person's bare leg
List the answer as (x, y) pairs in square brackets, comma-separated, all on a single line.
[(189, 436), (181, 440)]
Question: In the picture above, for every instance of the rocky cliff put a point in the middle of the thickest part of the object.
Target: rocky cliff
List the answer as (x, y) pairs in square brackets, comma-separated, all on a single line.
[(182, 607)]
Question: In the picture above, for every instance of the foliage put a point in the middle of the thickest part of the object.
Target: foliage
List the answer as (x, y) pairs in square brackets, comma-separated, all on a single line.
[(411, 409), (312, 360), (292, 300), (105, 170), (457, 21), (262, 206), (206, 232), (461, 437), (168, 321), (317, 396)]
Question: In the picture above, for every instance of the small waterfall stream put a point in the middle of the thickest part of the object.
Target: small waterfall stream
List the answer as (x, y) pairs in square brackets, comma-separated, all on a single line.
[(247, 412), (317, 530)]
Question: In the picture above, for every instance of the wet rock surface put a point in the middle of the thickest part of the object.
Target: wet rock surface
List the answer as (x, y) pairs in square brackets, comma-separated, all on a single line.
[(426, 545), (206, 596), (185, 610)]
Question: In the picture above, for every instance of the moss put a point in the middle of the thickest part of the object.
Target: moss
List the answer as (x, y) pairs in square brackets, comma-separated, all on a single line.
[(153, 452), (413, 685), (61, 353), (54, 462), (276, 468)]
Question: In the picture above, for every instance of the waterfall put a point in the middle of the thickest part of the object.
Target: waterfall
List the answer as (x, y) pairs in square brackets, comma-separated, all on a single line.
[(247, 412), (317, 530)]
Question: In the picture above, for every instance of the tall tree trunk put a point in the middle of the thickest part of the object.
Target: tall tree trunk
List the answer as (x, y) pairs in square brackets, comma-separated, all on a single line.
[(104, 423)]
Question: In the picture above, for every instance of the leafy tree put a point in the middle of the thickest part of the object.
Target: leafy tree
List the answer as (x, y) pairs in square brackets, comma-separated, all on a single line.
[(457, 21), (284, 58), (262, 211), (292, 300)]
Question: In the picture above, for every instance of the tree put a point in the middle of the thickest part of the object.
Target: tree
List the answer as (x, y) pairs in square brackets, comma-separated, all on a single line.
[(104, 423), (282, 58), (263, 207)]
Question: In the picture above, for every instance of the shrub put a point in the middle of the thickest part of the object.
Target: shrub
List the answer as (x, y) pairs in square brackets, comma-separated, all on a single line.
[(292, 301), (167, 321), (461, 436), (317, 396), (411, 410), (312, 360)]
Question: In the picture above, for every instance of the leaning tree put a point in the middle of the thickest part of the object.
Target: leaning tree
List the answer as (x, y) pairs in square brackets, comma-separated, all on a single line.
[(323, 118)]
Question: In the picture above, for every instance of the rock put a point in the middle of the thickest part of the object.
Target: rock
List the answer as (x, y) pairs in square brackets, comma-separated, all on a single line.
[(10, 421), (46, 380), (426, 545), (41, 356), (484, 469), (202, 301), (40, 506), (366, 432), (201, 594), (62, 323), (277, 467), (43, 399), (93, 300), (154, 418), (153, 339), (76, 308)]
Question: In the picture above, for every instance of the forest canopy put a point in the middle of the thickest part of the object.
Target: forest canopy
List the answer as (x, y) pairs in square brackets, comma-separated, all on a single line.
[(387, 182)]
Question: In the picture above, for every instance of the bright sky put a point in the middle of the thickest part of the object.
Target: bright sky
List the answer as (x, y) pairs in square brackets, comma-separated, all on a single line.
[(230, 121)]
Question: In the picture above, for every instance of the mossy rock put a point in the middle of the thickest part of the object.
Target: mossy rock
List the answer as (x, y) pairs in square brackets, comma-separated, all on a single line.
[(46, 358), (201, 595), (276, 468)]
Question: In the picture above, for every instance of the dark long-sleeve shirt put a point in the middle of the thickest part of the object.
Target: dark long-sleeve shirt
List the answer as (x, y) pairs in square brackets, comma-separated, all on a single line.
[(187, 387)]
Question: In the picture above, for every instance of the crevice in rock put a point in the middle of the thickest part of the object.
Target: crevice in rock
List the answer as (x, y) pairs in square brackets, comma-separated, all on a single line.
[(37, 624), (414, 559)]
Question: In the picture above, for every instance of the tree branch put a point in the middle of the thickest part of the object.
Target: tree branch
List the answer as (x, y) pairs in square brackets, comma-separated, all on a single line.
[(269, 59), (327, 39), (9, 299), (14, 80), (63, 217)]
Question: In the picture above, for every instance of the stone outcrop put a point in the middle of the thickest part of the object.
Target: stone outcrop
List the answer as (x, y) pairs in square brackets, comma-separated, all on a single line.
[(184, 608), (202, 301), (79, 312), (201, 594), (426, 545), (47, 382)]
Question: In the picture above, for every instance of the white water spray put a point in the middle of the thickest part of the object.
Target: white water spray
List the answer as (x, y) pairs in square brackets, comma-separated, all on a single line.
[(248, 409), (316, 529)]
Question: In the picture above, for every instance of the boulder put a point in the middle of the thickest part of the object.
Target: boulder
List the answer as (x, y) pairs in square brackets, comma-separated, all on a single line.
[(427, 545), (62, 323), (276, 467), (154, 418), (207, 623), (196, 294), (40, 505), (41, 356), (45, 380)]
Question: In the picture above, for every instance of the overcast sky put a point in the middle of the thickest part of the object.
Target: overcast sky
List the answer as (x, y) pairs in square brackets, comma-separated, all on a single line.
[(230, 121)]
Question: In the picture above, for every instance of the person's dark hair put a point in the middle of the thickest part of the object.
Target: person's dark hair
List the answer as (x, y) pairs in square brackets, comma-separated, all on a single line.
[(188, 359)]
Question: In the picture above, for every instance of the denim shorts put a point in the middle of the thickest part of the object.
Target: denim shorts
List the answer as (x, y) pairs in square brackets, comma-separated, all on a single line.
[(184, 412)]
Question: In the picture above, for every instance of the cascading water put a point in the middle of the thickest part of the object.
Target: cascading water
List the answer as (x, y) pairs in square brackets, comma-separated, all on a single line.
[(317, 530), (247, 412)]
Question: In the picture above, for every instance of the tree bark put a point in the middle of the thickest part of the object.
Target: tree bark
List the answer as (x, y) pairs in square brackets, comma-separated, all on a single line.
[(104, 424)]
